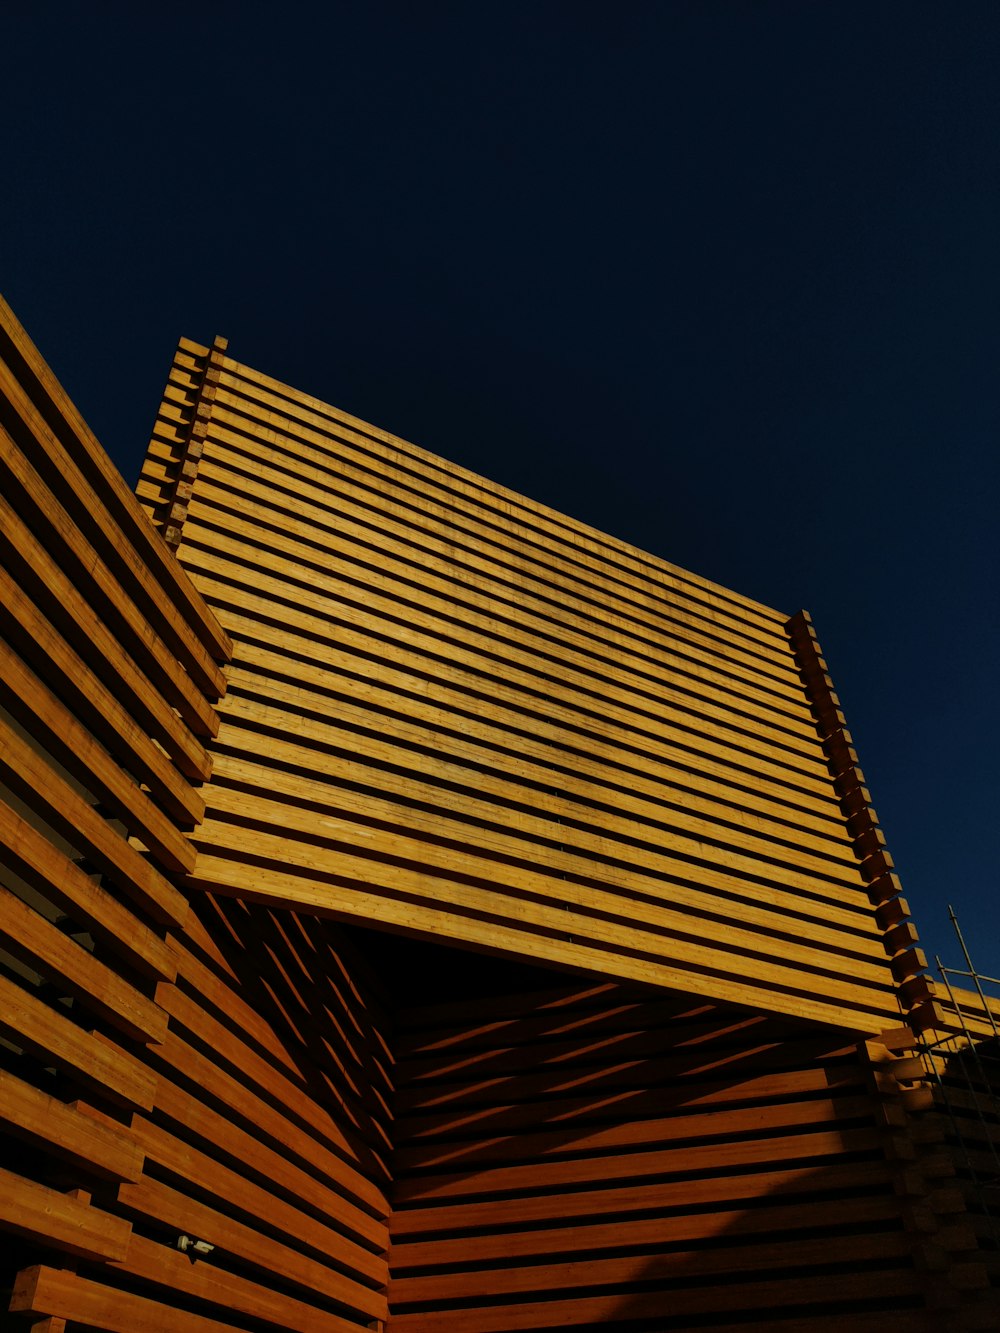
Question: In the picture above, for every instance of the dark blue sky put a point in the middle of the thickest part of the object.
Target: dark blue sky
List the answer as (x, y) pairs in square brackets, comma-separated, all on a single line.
[(721, 279)]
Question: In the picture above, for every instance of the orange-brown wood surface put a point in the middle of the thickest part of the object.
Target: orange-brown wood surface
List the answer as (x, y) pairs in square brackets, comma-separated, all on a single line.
[(162, 1071), (418, 701), (960, 1062), (463, 715), (591, 1156)]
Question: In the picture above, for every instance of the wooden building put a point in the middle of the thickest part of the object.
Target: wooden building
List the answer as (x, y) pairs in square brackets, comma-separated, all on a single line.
[(422, 912)]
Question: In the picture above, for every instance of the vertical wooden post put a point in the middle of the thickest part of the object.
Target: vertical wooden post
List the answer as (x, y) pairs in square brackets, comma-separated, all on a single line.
[(908, 963), (187, 469)]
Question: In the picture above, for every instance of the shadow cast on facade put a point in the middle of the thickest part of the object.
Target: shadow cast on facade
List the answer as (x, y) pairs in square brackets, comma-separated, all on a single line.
[(227, 1113)]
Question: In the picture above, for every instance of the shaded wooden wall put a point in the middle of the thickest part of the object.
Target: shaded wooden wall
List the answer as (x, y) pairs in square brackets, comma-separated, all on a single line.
[(212, 1071), (455, 715), (961, 1106), (597, 1155), (461, 714)]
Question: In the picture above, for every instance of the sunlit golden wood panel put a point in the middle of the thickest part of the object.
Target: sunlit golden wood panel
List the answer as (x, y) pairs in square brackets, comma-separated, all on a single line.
[(626, 1047), (214, 1072), (456, 712)]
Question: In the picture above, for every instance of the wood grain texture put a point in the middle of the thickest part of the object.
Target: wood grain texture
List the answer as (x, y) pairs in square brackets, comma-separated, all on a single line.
[(465, 719), (456, 712), (59, 1220), (43, 1290), (223, 1073), (96, 566), (153, 570), (672, 1162)]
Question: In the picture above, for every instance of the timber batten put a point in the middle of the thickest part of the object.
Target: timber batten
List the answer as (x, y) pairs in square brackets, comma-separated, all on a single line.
[(530, 728), (149, 1083), (601, 1064)]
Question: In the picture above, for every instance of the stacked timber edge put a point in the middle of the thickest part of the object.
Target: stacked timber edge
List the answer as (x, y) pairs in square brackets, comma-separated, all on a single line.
[(166, 1069), (601, 1155), (892, 914), (462, 715), (375, 688)]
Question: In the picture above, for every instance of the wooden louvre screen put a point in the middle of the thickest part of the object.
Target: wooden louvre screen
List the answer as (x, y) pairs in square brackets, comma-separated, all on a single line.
[(458, 713), (599, 1155), (313, 680), (163, 1071)]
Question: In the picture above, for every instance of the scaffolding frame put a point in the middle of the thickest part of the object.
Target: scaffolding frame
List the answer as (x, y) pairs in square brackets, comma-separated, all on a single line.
[(968, 1088)]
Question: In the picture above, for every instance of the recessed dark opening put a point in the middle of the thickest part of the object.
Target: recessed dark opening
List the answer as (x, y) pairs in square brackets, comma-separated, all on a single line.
[(419, 972)]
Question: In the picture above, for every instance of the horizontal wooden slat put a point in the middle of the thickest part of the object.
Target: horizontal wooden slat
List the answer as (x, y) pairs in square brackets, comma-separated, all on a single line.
[(229, 477), (101, 580), (95, 704), (659, 931), (235, 1295), (187, 1015), (56, 728), (638, 861), (552, 1207), (255, 1110), (761, 1298), (255, 1154), (358, 555), (223, 996), (590, 1009), (182, 1212), (320, 511), (51, 1291), (464, 494), (544, 1145), (43, 1214), (62, 603), (727, 1263), (558, 915), (26, 851), (612, 1232), (291, 741), (399, 683), (579, 1171), (614, 1071), (480, 620), (63, 417), (361, 1078), (590, 999), (70, 1133), (47, 1033), (448, 1113), (51, 797), (95, 986), (241, 1195), (484, 743), (260, 883), (469, 659)]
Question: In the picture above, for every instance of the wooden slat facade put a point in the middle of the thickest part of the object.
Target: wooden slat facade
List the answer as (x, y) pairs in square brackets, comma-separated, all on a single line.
[(459, 713), (625, 1049), (598, 1154), (163, 1070), (960, 1103)]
